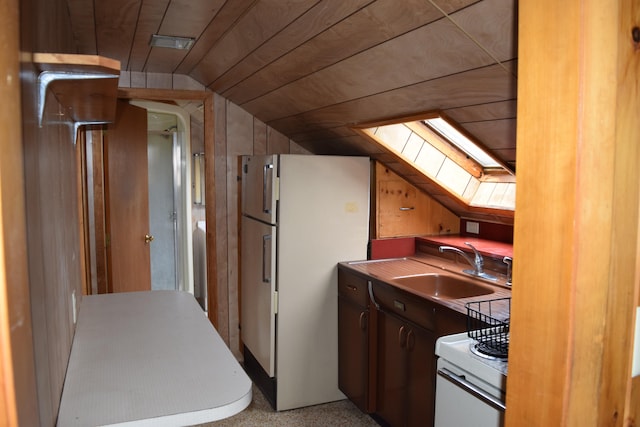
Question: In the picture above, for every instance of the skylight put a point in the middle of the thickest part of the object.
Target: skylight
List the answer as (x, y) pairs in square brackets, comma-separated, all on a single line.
[(455, 137), (436, 147)]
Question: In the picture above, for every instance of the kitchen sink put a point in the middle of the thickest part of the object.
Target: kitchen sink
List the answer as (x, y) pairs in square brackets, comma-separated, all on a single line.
[(443, 286)]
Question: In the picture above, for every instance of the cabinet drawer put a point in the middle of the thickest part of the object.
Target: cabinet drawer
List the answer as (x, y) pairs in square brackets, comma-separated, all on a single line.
[(353, 288), (416, 310)]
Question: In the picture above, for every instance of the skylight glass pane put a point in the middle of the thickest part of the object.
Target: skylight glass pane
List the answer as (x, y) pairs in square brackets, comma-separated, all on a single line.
[(481, 198), (412, 148), (430, 160), (462, 142), (509, 198), (471, 189), (454, 177), (395, 136), (498, 194)]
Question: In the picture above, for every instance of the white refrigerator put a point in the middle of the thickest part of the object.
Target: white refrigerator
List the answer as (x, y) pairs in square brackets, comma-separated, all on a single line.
[(301, 215)]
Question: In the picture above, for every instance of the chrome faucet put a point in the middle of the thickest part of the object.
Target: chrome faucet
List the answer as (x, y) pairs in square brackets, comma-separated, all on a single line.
[(477, 263)]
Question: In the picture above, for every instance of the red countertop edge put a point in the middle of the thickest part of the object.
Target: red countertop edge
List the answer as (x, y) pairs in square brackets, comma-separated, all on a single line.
[(486, 247), (406, 246)]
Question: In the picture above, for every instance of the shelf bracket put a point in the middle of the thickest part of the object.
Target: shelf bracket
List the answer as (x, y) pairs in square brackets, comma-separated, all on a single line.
[(45, 79)]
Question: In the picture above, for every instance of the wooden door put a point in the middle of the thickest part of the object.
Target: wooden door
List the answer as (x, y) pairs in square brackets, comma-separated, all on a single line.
[(127, 201)]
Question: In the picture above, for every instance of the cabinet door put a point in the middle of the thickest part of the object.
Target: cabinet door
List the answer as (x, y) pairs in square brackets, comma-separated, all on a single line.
[(392, 369), (406, 372), (353, 352), (421, 378)]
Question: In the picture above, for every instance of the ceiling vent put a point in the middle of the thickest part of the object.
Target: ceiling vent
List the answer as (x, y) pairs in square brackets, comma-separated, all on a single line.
[(172, 42)]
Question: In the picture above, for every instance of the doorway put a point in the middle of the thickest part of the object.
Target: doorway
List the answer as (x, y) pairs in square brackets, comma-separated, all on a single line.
[(198, 104), (169, 171), (139, 174), (163, 226)]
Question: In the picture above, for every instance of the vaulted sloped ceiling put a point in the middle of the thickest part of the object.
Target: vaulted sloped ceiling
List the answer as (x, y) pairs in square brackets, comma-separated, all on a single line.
[(311, 69)]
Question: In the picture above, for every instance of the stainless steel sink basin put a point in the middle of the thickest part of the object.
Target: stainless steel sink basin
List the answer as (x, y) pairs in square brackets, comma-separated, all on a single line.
[(443, 286)]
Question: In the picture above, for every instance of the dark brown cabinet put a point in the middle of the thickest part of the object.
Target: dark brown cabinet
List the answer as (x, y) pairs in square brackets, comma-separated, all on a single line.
[(354, 340), (406, 335), (406, 372), (387, 363)]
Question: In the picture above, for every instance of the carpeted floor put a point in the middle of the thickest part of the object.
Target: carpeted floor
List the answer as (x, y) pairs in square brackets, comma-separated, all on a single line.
[(260, 413)]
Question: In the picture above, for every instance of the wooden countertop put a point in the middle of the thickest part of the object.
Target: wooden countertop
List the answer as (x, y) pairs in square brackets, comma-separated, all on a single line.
[(149, 359), (388, 269)]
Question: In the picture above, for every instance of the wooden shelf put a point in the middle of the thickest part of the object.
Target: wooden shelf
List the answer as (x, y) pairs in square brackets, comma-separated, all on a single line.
[(86, 85)]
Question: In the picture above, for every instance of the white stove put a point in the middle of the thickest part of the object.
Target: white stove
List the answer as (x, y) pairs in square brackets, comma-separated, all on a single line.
[(457, 349), (470, 388)]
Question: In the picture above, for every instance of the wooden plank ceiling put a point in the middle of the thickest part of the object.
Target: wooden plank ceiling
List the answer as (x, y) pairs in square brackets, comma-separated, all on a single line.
[(312, 68)]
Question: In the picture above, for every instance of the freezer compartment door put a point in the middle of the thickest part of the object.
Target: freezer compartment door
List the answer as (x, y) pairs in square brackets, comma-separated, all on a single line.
[(260, 187), (258, 291)]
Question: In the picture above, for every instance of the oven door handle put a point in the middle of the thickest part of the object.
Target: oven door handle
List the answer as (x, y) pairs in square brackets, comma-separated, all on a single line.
[(461, 382)]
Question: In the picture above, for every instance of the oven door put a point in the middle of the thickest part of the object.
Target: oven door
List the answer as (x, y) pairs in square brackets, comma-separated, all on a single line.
[(465, 400)]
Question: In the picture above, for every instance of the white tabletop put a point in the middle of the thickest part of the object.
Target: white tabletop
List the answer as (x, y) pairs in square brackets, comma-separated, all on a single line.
[(149, 359)]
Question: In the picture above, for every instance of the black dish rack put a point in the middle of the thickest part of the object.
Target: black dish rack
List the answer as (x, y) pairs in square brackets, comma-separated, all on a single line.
[(488, 325)]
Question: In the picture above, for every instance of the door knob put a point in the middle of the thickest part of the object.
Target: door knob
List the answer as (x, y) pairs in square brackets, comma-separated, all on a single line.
[(148, 238)]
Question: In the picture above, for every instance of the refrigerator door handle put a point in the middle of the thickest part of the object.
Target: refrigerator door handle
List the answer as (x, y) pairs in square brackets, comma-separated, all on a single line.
[(266, 193), (266, 261)]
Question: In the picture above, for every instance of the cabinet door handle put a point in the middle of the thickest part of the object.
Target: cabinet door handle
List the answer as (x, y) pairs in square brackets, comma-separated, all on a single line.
[(371, 297), (410, 208), (352, 288), (363, 320), (402, 337), (411, 340)]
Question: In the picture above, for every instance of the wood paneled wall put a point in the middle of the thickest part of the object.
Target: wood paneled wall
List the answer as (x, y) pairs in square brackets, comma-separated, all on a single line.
[(53, 250), (237, 133), (52, 222)]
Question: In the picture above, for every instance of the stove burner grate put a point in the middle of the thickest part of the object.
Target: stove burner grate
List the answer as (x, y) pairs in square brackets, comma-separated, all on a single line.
[(491, 352)]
